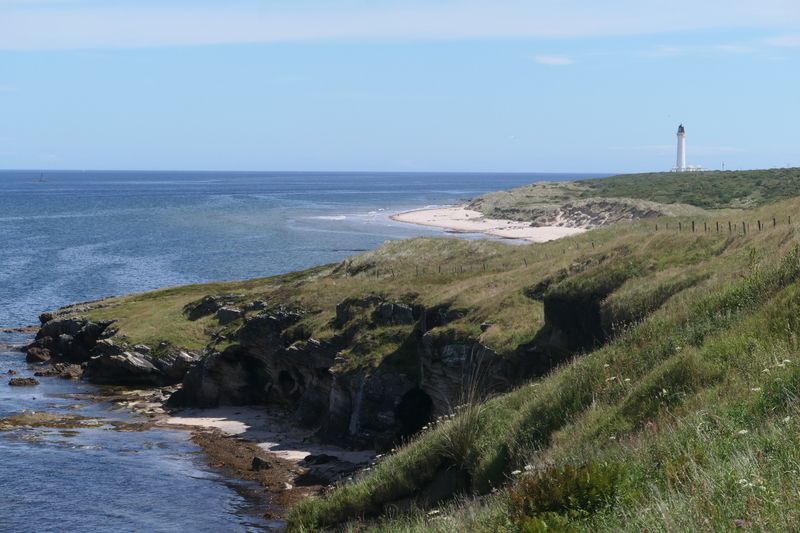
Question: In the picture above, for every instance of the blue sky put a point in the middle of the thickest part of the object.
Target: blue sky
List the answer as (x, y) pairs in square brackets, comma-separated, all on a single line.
[(573, 86)]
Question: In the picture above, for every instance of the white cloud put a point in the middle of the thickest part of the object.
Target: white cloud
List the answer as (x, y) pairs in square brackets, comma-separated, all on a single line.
[(73, 24), (790, 40), (554, 60)]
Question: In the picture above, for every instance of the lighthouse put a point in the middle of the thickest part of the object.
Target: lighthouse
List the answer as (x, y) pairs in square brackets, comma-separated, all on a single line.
[(680, 165)]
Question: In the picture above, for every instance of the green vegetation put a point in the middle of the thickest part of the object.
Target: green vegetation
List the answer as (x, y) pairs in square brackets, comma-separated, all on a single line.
[(631, 196), (667, 423), (681, 416)]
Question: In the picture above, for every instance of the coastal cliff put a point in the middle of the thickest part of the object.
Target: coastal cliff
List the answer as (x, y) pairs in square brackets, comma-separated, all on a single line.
[(558, 385)]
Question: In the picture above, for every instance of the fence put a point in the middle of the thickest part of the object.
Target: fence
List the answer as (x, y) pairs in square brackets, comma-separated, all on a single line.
[(556, 249), (738, 227)]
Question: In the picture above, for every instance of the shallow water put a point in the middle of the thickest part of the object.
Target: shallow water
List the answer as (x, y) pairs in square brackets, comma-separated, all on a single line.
[(74, 236)]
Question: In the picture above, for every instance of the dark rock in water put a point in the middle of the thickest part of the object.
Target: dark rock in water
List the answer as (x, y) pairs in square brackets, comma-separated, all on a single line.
[(60, 369), (69, 339), (124, 369), (34, 354), (71, 372), (226, 315), (11, 372), (22, 382), (44, 318), (260, 464)]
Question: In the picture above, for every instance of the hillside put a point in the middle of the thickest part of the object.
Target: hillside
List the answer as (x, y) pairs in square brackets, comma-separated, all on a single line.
[(590, 203), (640, 376)]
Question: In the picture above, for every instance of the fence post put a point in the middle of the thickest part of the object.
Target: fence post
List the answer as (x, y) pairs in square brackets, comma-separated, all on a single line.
[(656, 226), (744, 227), (759, 225), (774, 222), (717, 226), (525, 261), (692, 226), (592, 245), (680, 226), (729, 227), (705, 227)]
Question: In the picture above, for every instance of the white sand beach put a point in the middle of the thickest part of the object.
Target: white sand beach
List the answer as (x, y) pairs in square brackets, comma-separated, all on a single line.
[(459, 219)]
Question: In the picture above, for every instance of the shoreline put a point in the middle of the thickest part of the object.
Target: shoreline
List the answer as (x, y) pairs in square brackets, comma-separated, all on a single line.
[(459, 219)]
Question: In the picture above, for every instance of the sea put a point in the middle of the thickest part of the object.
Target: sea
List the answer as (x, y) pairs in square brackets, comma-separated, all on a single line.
[(72, 236)]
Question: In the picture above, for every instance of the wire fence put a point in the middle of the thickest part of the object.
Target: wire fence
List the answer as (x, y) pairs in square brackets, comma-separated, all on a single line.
[(451, 268)]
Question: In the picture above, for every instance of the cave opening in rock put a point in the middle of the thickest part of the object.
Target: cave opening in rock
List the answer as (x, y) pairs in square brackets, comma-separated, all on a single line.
[(290, 388), (413, 412)]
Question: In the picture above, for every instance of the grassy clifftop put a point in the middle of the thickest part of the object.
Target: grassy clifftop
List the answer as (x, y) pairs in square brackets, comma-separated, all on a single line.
[(686, 419), (678, 411), (631, 196)]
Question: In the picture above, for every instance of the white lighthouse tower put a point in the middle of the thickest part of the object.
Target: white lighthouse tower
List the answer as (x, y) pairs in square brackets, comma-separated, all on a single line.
[(680, 165)]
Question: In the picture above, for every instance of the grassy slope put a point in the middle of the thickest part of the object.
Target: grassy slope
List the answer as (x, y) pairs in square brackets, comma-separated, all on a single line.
[(692, 408), (690, 405), (672, 194)]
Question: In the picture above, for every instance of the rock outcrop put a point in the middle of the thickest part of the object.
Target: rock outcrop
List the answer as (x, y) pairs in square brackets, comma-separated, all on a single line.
[(364, 405), (118, 364), (67, 339)]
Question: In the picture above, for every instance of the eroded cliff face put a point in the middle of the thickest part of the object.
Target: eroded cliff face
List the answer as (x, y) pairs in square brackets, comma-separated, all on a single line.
[(377, 404)]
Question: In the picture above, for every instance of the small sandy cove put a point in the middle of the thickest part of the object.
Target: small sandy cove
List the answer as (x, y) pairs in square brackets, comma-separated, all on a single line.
[(459, 219)]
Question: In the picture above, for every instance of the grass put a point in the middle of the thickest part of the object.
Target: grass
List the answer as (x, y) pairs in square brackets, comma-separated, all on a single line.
[(644, 195), (681, 416), (695, 347)]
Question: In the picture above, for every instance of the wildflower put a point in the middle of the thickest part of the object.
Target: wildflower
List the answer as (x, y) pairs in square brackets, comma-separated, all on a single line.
[(516, 472), (434, 512), (612, 378), (787, 360), (742, 432), (786, 420), (528, 468), (627, 380), (765, 371), (605, 365), (755, 389), (612, 437)]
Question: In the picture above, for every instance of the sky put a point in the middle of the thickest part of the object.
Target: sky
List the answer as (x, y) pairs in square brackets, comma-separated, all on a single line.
[(380, 85)]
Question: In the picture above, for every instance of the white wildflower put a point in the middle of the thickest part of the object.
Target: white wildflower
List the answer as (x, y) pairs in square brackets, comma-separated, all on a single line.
[(434, 512), (755, 389), (528, 468), (786, 420), (742, 432), (516, 472), (627, 380)]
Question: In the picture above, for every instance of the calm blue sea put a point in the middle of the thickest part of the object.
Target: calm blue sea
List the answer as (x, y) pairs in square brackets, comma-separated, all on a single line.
[(75, 236)]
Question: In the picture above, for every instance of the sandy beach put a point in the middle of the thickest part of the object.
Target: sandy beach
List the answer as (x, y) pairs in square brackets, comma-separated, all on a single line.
[(459, 219)]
